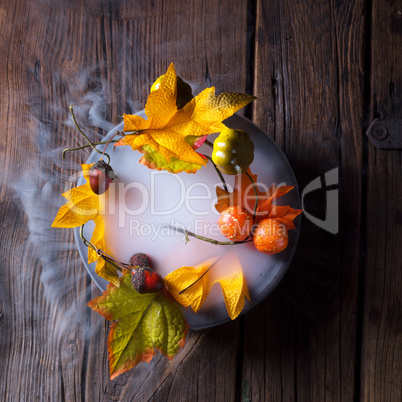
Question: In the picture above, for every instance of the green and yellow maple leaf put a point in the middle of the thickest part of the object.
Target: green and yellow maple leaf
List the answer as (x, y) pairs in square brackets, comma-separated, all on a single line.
[(82, 206), (142, 324), (166, 127), (190, 286)]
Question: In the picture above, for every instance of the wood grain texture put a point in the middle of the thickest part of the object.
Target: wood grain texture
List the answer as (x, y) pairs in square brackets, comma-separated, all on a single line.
[(308, 80), (43, 327), (382, 320), (102, 56), (322, 70)]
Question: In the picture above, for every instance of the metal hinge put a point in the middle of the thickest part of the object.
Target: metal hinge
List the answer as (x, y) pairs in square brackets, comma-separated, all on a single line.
[(386, 133)]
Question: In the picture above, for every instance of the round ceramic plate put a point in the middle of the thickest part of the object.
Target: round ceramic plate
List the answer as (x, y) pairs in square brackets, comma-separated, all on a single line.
[(147, 205)]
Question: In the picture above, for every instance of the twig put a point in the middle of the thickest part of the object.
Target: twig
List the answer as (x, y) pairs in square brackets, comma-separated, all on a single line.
[(118, 265), (207, 239), (85, 241), (110, 140), (89, 141), (85, 146), (256, 195), (218, 171)]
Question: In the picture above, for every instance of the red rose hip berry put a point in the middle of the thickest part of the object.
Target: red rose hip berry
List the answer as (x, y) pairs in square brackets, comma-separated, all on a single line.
[(101, 175), (235, 223), (270, 236), (146, 280)]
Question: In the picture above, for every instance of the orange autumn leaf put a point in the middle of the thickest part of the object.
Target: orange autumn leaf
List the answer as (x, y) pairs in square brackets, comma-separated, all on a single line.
[(166, 127), (82, 206), (243, 195), (190, 286)]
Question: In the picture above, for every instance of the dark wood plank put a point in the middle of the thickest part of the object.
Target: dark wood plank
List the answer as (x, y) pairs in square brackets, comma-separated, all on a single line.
[(301, 342), (42, 334), (382, 323), (52, 346), (309, 85)]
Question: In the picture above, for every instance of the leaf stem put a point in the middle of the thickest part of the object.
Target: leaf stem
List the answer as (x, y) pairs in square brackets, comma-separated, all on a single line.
[(256, 195), (85, 241), (110, 140), (85, 146), (207, 239), (80, 131), (118, 265), (110, 261), (218, 171)]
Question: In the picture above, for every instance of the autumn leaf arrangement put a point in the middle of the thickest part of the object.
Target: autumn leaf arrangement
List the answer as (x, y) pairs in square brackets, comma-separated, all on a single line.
[(144, 308)]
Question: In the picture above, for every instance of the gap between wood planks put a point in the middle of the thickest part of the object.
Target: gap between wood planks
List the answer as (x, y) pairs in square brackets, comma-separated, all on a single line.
[(363, 206), (250, 79)]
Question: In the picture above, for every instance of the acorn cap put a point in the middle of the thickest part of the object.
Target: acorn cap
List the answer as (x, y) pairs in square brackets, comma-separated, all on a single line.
[(104, 168), (140, 260)]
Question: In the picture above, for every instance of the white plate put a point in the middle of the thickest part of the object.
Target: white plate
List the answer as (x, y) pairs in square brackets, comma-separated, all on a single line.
[(170, 202)]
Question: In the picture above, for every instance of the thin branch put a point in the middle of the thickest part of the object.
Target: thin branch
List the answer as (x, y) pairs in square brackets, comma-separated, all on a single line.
[(85, 146), (118, 265), (79, 129), (256, 195), (207, 239), (218, 171)]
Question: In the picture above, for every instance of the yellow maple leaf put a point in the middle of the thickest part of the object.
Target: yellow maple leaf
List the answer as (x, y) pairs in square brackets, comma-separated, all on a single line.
[(103, 268), (82, 206), (196, 276), (190, 286), (166, 127)]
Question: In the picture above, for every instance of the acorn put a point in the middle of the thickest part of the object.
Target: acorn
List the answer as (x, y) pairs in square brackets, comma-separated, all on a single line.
[(146, 280), (140, 260), (101, 175)]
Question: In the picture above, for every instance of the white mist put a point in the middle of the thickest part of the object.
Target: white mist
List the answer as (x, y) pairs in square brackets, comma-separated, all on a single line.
[(144, 203)]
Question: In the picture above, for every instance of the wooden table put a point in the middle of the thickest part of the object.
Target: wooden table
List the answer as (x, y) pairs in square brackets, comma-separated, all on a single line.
[(322, 71)]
